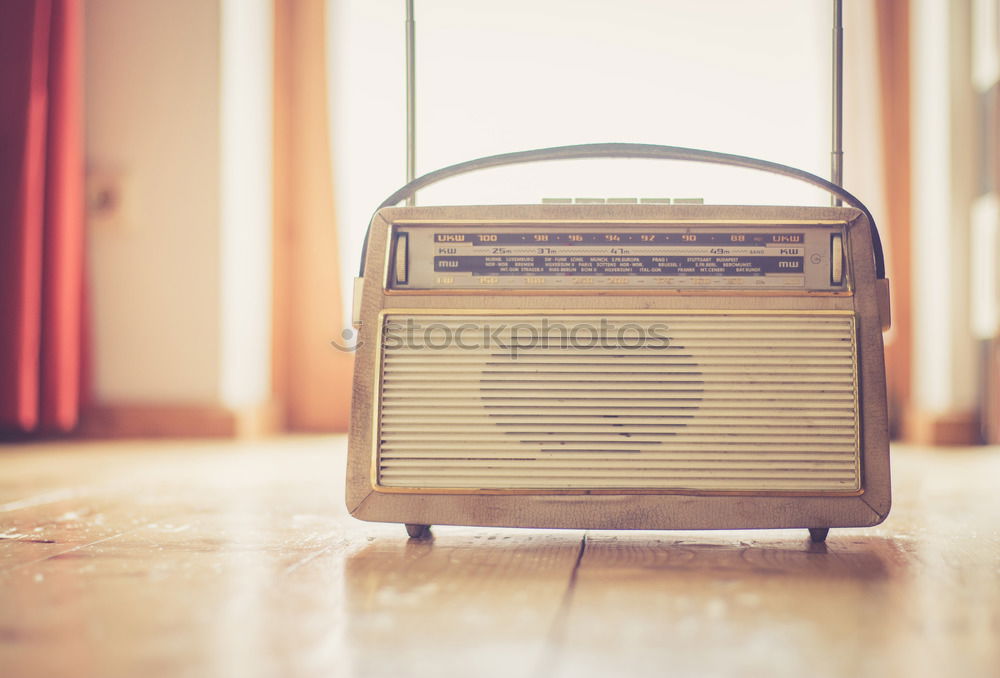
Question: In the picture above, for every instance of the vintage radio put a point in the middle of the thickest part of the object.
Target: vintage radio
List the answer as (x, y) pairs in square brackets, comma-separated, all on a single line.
[(621, 366)]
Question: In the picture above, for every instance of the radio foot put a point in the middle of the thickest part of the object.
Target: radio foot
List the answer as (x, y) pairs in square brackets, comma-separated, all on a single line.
[(418, 531), (816, 534)]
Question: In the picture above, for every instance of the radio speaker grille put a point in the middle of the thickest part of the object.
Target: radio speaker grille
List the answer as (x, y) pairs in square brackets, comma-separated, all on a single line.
[(711, 402)]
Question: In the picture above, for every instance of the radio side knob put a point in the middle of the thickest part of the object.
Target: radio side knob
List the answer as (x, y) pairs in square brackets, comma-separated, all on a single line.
[(402, 257), (837, 259)]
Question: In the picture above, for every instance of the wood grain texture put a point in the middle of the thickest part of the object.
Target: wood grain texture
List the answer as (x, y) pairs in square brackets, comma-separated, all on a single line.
[(226, 559)]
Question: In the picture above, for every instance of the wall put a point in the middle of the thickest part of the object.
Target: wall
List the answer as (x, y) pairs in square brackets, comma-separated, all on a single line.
[(178, 106), (945, 356), (245, 236), (152, 119)]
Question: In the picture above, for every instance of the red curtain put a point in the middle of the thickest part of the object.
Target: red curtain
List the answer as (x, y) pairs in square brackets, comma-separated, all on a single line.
[(41, 214)]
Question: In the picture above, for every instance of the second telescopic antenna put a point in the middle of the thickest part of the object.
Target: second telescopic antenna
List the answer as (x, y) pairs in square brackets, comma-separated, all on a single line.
[(837, 155), (411, 99)]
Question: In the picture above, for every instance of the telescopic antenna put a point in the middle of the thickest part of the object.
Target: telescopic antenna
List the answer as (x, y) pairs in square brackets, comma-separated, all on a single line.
[(411, 99), (837, 155)]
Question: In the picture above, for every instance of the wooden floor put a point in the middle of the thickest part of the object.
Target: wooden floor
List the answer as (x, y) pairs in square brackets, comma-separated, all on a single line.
[(211, 559)]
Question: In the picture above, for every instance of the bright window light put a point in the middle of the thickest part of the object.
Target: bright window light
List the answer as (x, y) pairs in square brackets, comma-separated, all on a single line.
[(723, 75)]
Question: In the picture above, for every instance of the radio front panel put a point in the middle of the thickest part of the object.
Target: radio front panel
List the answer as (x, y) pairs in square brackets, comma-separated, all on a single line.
[(628, 366), (580, 257)]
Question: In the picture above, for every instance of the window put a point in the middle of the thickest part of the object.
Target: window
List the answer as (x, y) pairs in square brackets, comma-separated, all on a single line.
[(725, 75)]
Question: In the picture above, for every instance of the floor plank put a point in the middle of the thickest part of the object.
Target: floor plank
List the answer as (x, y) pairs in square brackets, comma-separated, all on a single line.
[(218, 559)]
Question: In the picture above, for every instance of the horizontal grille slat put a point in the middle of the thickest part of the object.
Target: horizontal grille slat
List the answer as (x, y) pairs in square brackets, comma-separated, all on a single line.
[(715, 402), (415, 379), (676, 390), (620, 439), (649, 369), (672, 443), (670, 399), (461, 456), (713, 351), (703, 484), (670, 427), (591, 412), (625, 475), (615, 465), (651, 361)]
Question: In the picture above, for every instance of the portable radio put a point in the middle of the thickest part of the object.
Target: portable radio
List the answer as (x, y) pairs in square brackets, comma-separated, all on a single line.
[(620, 366)]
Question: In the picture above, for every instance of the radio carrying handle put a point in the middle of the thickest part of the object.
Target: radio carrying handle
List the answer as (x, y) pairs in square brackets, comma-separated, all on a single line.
[(622, 150)]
